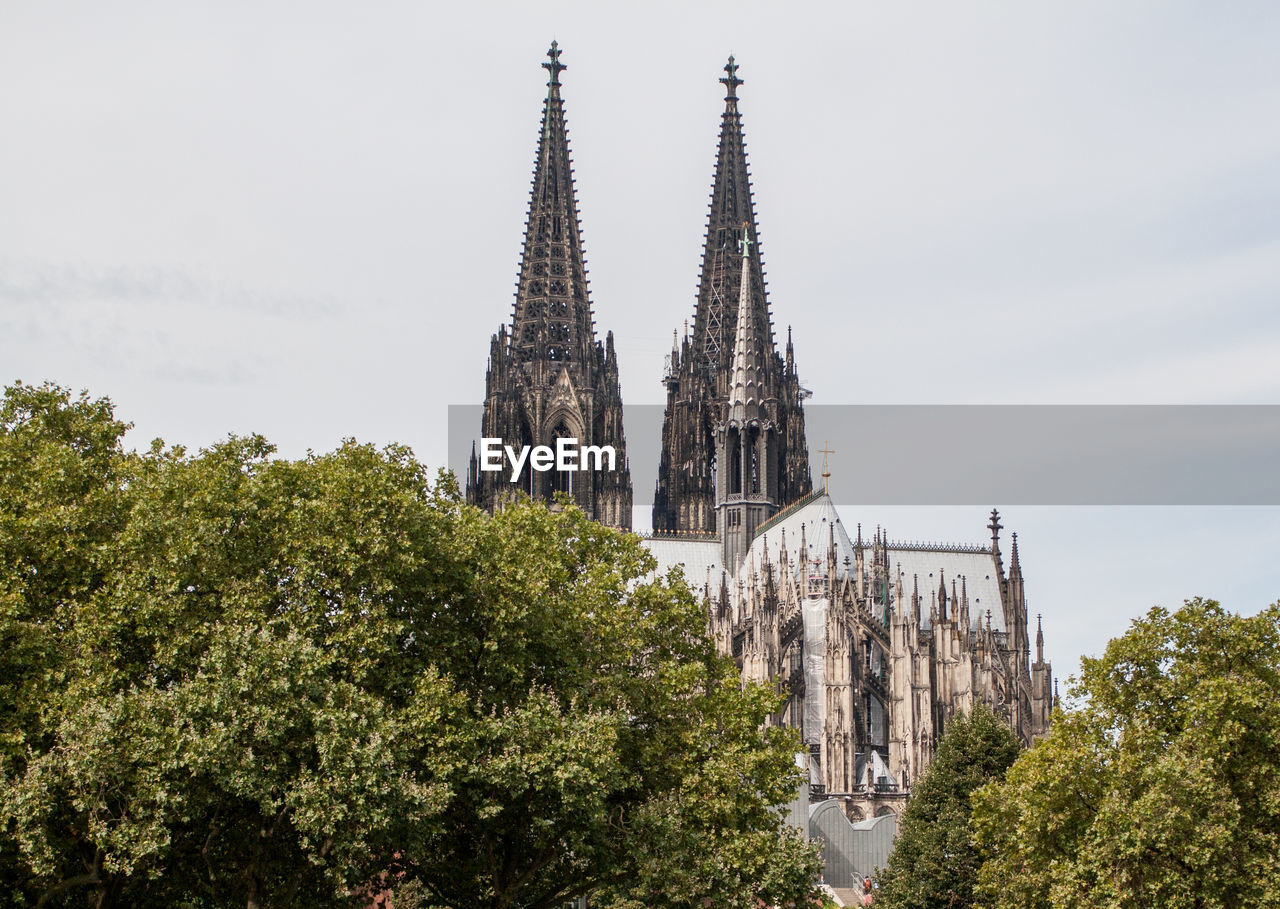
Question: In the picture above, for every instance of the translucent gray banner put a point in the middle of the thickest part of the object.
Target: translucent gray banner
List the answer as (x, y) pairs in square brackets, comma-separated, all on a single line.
[(1006, 455)]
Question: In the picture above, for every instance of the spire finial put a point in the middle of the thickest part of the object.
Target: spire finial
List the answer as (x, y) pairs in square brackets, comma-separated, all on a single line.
[(731, 81), (554, 66)]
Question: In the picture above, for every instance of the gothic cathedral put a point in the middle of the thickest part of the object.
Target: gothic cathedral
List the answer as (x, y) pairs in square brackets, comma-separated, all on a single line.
[(878, 644)]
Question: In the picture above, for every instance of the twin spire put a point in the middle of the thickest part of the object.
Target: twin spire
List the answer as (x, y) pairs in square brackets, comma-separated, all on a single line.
[(729, 368), (732, 218), (552, 319)]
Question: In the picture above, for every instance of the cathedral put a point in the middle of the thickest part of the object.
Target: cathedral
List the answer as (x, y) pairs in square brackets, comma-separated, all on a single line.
[(877, 644)]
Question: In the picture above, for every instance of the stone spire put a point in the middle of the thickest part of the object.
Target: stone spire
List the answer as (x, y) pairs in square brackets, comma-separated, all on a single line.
[(732, 216), (745, 380), (552, 319), (1039, 639)]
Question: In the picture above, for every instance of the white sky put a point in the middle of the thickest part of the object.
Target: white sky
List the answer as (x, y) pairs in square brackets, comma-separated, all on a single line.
[(304, 220)]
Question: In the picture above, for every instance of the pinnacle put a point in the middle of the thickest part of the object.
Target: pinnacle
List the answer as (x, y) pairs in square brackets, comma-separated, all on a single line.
[(554, 67), (731, 80)]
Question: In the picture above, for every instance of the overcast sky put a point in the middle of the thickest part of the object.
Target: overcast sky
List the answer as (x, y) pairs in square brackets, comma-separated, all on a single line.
[(304, 221)]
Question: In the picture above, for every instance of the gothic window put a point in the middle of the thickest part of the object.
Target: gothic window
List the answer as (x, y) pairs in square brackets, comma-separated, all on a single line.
[(540, 268), (559, 288), (559, 308), (754, 454), (536, 287), (526, 440), (561, 481), (734, 453), (557, 268), (557, 252)]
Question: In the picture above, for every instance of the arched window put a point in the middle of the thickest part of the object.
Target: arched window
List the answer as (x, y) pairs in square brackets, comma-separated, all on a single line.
[(526, 482), (561, 481), (733, 453)]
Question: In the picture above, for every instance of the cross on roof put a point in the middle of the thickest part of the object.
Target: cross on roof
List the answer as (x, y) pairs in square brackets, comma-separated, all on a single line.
[(826, 474), (554, 66), (731, 81)]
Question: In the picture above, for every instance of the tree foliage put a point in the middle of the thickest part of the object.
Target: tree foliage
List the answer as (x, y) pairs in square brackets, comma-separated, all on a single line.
[(233, 679), (1159, 784), (934, 863)]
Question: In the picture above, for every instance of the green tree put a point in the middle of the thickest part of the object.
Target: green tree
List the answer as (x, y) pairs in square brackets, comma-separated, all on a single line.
[(934, 863), (233, 679), (1159, 783), (599, 718)]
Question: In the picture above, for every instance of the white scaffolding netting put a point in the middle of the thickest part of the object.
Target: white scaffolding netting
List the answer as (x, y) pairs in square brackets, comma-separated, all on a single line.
[(815, 655)]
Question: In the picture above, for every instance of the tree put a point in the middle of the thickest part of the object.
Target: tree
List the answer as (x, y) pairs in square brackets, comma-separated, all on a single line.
[(934, 862), (600, 718), (1159, 783), (237, 680)]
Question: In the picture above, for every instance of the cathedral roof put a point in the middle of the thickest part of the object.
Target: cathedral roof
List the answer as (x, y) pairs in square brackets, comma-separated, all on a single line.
[(929, 565), (812, 520), (696, 556)]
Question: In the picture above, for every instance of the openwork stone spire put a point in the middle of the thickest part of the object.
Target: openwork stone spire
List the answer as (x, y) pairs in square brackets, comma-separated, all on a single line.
[(552, 319), (732, 216)]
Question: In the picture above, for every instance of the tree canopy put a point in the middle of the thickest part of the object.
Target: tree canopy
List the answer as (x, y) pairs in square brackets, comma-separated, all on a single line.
[(1159, 782), (934, 863), (231, 679)]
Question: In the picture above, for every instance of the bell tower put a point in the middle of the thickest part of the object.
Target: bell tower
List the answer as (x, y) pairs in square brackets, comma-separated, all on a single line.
[(549, 378), (700, 374)]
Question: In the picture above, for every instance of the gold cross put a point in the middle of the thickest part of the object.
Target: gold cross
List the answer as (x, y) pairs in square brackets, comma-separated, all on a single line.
[(826, 474)]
